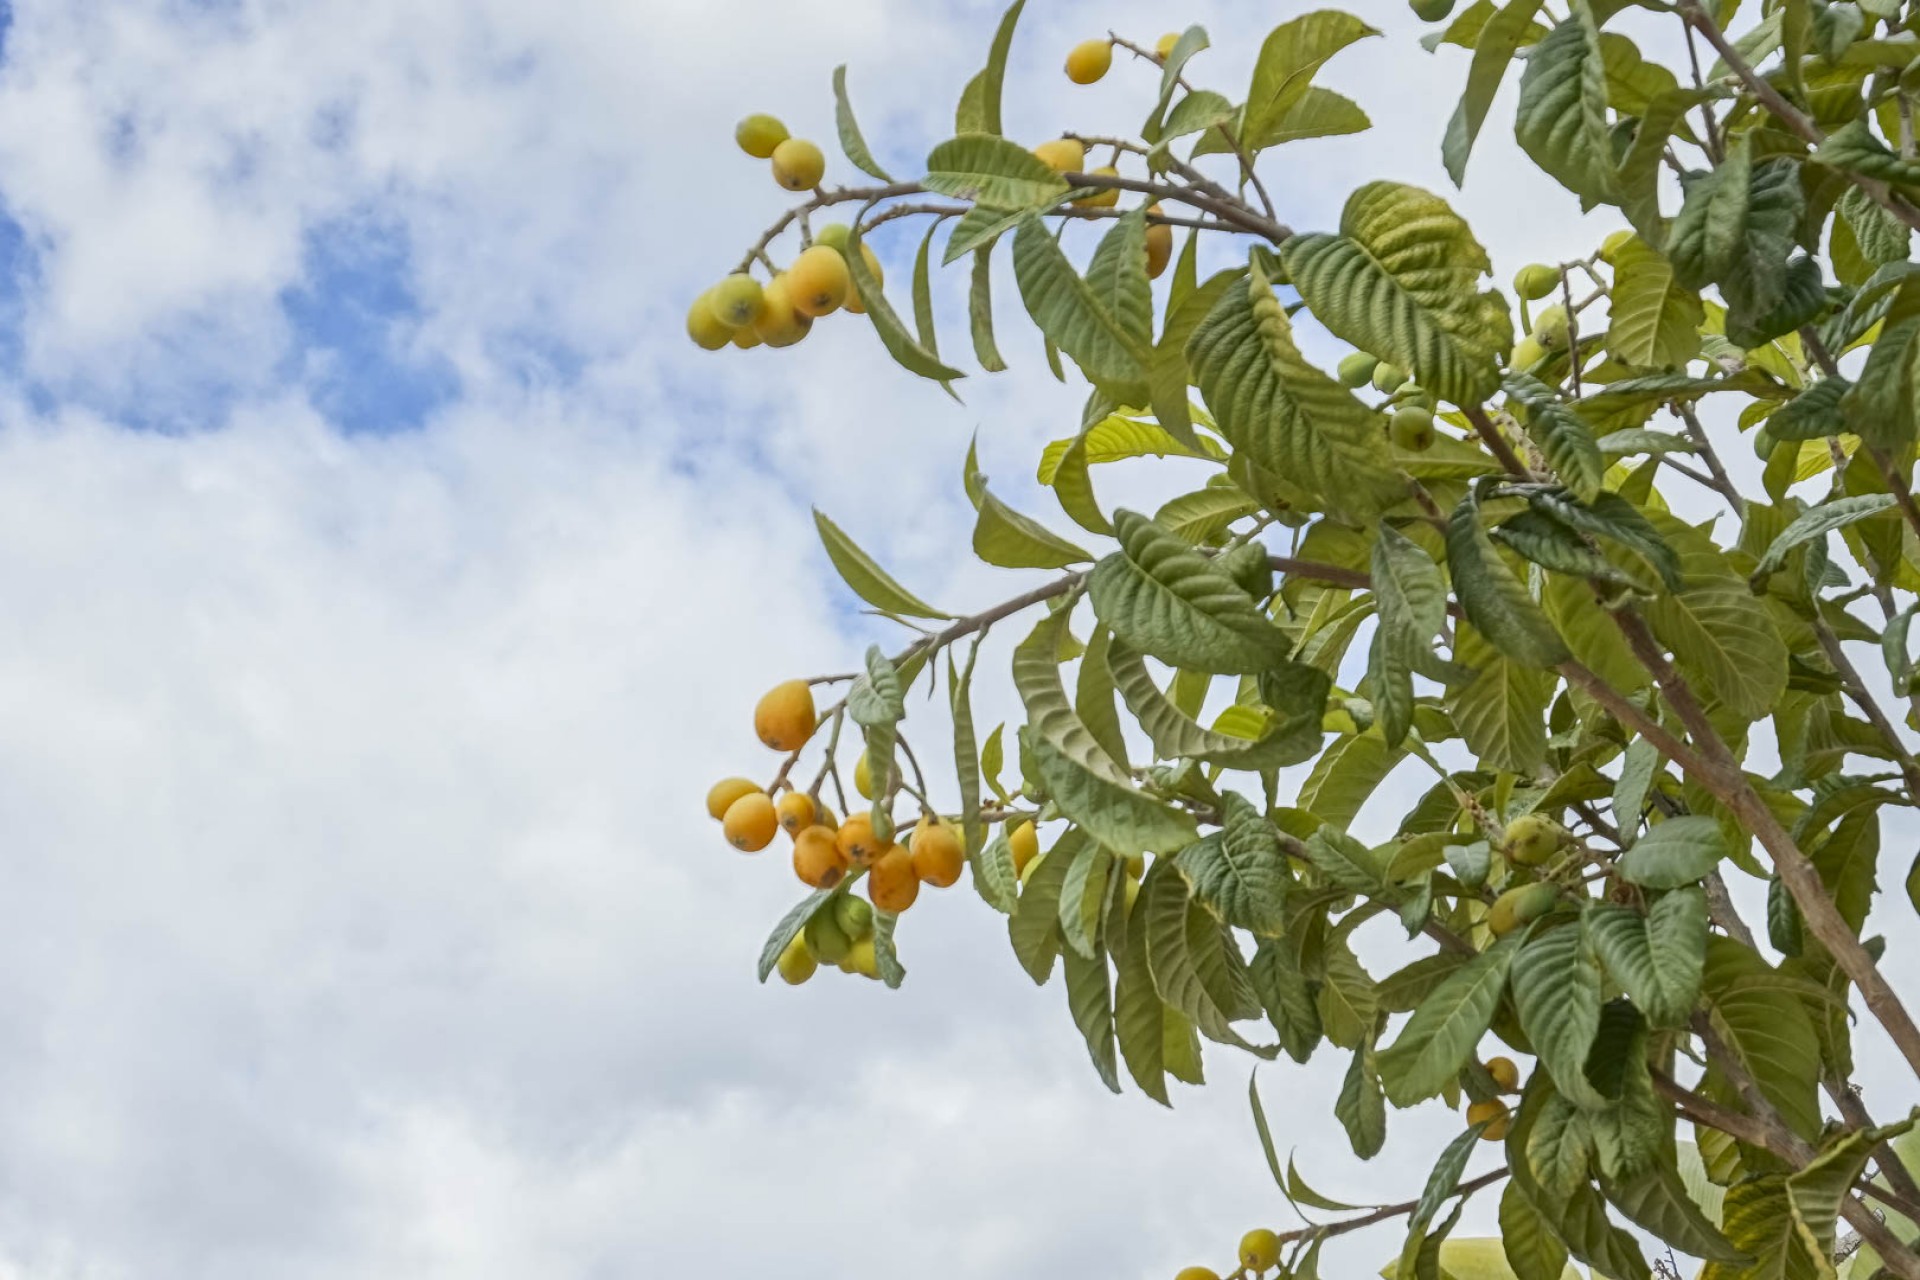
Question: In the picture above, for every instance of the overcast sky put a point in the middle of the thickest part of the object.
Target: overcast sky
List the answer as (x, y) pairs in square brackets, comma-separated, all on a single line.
[(385, 579)]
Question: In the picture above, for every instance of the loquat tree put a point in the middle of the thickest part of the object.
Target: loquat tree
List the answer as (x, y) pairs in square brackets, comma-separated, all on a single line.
[(1498, 541)]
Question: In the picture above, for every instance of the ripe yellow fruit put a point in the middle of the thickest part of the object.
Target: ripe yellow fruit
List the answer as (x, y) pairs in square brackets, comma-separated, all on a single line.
[(779, 323), (863, 777), (722, 794), (1536, 281), (736, 300), (746, 337), (1159, 246), (797, 962), (1260, 1250), (858, 843), (818, 281), (798, 165), (817, 860), (1104, 197), (1357, 369), (1089, 60), (759, 134), (797, 812), (1164, 45), (1532, 839), (1520, 906), (784, 718), (826, 819), (704, 327), (891, 883), (1553, 328), (1026, 846), (937, 855), (862, 959), (1412, 427), (1494, 1112), (1026, 872), (1197, 1273), (750, 823), (854, 302), (1505, 1074), (1062, 155)]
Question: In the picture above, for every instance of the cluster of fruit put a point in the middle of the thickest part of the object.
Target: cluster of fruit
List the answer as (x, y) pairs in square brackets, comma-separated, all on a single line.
[(826, 850), (742, 311), (1259, 1254)]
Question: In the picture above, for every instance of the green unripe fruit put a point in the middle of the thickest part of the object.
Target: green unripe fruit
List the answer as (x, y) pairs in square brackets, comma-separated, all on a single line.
[(1526, 354), (1357, 368), (1763, 443), (1610, 247), (1521, 906), (834, 235), (704, 327), (1388, 378), (1553, 328), (759, 134), (797, 962), (854, 916), (1432, 10), (735, 300), (1532, 839), (826, 939), (1536, 282), (1412, 428)]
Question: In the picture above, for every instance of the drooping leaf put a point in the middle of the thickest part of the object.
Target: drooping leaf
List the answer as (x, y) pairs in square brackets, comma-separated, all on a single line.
[(1501, 711), (789, 928), (1361, 1107), (1289, 58), (902, 346), (1766, 1026), (1556, 990), (1653, 321), (1010, 540), (1497, 41), (1443, 1032), (1656, 1199), (851, 141), (867, 579), (1758, 1219), (1292, 740), (1657, 957), (1562, 117), (1140, 1016), (1495, 600), (1240, 872), (1067, 310), (1158, 596), (1090, 997), (1562, 434)]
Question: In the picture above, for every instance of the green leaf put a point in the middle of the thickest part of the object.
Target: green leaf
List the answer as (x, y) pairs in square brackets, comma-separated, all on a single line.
[(966, 753), (1348, 1001), (867, 579), (1286, 415), (1443, 1032), (1140, 1016), (1073, 486), (978, 228), (1767, 1027), (1004, 537), (1189, 42), (1361, 1107), (923, 321), (1674, 854), (851, 142), (1501, 711), (1161, 598), (1318, 113), (789, 928), (1716, 627), (991, 79), (1881, 405), (1167, 916), (1634, 440), (1835, 513), (1204, 515), (1344, 861), (1758, 1219), (1117, 278), (980, 314), (1712, 223), (1612, 517), (1083, 898), (1495, 600), (1289, 58), (1442, 1183), (1813, 413), (1346, 774), (993, 171), (1197, 111), (1239, 873), (1123, 819), (1068, 312), (906, 352), (994, 875), (1035, 925), (1400, 281), (1562, 434), (886, 955), (1116, 438), (1556, 990), (1855, 148), (1527, 1240), (1656, 1199), (1287, 998), (1493, 52), (1656, 958), (1090, 998), (1293, 740), (1653, 321), (1815, 1194), (1093, 698), (1562, 117)]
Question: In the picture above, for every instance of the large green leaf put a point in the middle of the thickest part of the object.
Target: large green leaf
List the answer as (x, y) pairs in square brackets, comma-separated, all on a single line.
[(1287, 998), (1818, 522), (1105, 345), (1502, 710), (992, 171), (1158, 596), (1556, 990), (979, 110), (1348, 1001), (1289, 58), (1442, 1183), (1117, 278), (1498, 40), (867, 579), (1676, 853), (1657, 1200), (1175, 735), (1717, 628), (1527, 1240), (901, 345), (1286, 415), (1494, 598), (1361, 1107), (1349, 771), (1090, 998), (1180, 971), (1562, 117), (1118, 816), (789, 928), (1882, 403), (1401, 281), (1010, 540), (1035, 924), (1083, 898), (1118, 437), (1318, 113), (1656, 958), (1562, 434), (1758, 1219), (1653, 321), (851, 140), (1712, 222), (1140, 1015), (1442, 1034), (1765, 1024), (1240, 871)]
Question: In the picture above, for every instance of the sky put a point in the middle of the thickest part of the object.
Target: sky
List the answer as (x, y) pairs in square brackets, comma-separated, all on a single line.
[(386, 580)]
